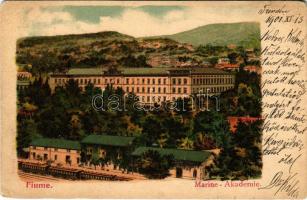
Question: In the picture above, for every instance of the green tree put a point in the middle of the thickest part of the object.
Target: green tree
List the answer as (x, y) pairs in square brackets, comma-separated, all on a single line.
[(152, 129), (214, 125), (155, 166), (95, 160)]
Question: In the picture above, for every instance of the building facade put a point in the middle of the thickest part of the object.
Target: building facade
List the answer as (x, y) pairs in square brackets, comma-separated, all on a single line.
[(189, 164), (56, 151), (151, 85), (23, 80)]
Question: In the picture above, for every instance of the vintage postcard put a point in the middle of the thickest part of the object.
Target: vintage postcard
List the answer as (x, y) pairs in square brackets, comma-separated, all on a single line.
[(161, 99)]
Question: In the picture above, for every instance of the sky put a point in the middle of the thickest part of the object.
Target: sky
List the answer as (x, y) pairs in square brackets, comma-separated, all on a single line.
[(137, 21)]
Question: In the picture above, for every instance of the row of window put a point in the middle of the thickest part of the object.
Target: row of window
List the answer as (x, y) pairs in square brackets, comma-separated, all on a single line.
[(55, 149), (175, 81), (45, 157), (155, 99), (147, 81), (179, 81), (155, 90), (116, 81), (129, 81), (211, 89), (206, 81)]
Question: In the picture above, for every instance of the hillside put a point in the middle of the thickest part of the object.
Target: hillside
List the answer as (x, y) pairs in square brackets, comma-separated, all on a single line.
[(46, 54), (246, 34), (57, 53)]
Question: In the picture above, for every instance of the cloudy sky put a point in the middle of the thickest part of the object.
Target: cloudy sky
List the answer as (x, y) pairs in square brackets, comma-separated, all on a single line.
[(137, 21)]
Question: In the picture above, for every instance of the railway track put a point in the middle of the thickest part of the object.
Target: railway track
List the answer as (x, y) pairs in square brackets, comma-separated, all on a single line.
[(36, 177)]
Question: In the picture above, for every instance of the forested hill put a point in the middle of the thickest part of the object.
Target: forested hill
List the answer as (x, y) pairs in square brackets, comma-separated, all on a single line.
[(58, 53), (246, 34)]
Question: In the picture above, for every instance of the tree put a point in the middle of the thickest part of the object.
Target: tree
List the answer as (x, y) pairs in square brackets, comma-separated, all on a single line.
[(26, 132), (214, 125), (183, 108), (152, 129), (155, 166), (233, 57), (213, 60), (186, 143), (204, 142), (241, 159), (95, 160)]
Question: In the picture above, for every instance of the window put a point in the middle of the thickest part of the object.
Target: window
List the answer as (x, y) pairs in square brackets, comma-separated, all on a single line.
[(55, 157), (143, 89), (94, 81), (138, 81), (174, 90), (55, 80), (67, 160), (148, 99), (117, 81), (55, 149), (45, 148), (185, 90), (153, 81), (127, 80), (159, 90), (164, 81), (179, 81), (148, 89), (164, 90), (174, 81), (153, 89), (132, 89), (159, 81), (179, 90), (148, 81), (68, 150), (164, 98), (137, 89), (143, 81), (185, 81)]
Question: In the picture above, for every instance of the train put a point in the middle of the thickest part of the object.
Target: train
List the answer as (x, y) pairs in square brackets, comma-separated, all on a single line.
[(66, 173)]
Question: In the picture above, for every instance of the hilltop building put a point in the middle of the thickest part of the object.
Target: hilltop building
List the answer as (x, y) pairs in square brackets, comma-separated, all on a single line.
[(23, 80), (151, 85), (228, 67)]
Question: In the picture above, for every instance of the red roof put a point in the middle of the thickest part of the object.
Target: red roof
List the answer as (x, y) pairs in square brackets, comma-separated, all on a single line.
[(233, 121), (227, 66)]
